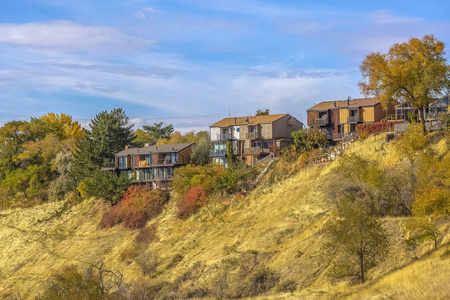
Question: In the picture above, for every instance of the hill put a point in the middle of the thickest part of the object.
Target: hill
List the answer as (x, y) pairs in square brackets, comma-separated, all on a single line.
[(274, 233)]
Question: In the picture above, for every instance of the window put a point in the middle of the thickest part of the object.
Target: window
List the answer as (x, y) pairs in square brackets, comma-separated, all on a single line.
[(122, 162), (257, 144), (237, 129), (252, 129)]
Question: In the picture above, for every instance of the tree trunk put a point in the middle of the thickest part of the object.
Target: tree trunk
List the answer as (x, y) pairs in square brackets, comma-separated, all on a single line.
[(361, 264), (422, 118)]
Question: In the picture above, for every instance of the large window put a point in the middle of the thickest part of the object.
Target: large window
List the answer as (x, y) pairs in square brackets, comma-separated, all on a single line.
[(122, 162)]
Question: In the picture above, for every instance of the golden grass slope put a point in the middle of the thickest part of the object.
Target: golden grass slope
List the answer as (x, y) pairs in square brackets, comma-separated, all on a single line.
[(282, 220)]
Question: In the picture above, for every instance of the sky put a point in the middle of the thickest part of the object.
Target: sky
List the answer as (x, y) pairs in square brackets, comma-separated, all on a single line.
[(191, 63)]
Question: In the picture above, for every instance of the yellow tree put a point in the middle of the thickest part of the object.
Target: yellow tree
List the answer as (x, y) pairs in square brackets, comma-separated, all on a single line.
[(414, 72), (63, 125)]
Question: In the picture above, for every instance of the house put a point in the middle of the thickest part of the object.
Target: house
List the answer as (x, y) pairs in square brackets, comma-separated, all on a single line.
[(339, 119), (435, 109), (251, 138), (152, 165)]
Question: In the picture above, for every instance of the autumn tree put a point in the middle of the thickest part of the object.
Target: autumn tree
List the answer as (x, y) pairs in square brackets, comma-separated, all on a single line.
[(309, 139), (189, 137), (260, 112), (200, 153), (356, 240), (414, 72)]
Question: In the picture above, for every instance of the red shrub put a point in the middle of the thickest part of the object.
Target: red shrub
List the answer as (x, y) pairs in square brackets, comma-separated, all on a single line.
[(138, 205), (194, 199), (371, 128)]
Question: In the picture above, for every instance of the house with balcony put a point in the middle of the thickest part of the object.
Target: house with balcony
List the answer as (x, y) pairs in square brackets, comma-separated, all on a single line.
[(338, 119), (152, 165), (252, 137)]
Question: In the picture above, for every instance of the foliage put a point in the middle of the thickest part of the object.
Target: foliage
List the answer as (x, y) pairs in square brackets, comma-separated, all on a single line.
[(287, 286), (414, 72), (230, 154), (189, 137), (357, 240), (421, 230), (63, 126), (151, 134), (138, 206), (194, 199), (107, 186), (200, 153), (260, 112), (367, 129), (186, 177), (70, 283), (262, 281), (65, 182), (309, 139)]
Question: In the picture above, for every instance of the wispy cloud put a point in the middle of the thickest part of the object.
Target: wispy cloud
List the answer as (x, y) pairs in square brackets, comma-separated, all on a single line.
[(385, 16), (68, 36), (162, 73)]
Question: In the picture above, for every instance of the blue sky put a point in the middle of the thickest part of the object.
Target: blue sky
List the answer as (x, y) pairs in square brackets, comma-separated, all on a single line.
[(191, 63)]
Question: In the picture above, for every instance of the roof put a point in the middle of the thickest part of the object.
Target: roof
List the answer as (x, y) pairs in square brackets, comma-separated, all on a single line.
[(357, 102), (167, 148), (252, 120)]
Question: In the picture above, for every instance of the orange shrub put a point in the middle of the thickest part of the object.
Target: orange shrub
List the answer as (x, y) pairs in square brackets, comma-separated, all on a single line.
[(194, 199), (138, 205)]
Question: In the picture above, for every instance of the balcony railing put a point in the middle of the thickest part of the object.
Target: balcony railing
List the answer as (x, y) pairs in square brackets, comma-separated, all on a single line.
[(217, 152), (256, 151), (252, 135), (223, 137), (322, 122), (337, 136), (352, 119), (110, 165), (164, 161)]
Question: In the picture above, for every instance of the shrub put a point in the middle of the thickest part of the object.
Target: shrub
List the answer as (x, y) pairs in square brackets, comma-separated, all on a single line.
[(262, 281), (107, 186), (139, 205), (147, 235), (364, 130), (192, 202), (287, 286)]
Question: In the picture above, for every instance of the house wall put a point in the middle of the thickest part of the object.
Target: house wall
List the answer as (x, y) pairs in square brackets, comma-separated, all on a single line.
[(368, 114), (282, 129), (214, 132), (311, 117), (234, 131), (137, 159), (335, 119), (185, 157), (379, 113), (266, 131), (343, 115)]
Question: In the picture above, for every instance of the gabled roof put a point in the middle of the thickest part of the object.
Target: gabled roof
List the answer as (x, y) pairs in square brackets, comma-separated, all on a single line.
[(251, 120), (354, 103), (167, 148)]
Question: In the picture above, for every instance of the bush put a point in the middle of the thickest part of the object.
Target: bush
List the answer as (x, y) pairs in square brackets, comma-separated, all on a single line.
[(107, 186), (192, 202), (366, 129), (262, 281), (139, 205), (287, 286)]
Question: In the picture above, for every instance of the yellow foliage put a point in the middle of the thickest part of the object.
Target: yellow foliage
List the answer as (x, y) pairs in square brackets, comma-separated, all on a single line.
[(64, 124)]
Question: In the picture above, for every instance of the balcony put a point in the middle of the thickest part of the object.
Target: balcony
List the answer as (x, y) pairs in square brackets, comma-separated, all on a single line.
[(223, 137), (252, 135), (256, 151), (337, 136), (217, 152), (164, 161), (322, 122), (352, 119)]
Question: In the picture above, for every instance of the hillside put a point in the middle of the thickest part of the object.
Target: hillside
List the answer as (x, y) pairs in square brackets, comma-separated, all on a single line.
[(278, 225)]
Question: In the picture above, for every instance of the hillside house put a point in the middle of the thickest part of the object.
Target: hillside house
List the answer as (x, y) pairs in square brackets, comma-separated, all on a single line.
[(251, 138), (338, 119), (152, 165)]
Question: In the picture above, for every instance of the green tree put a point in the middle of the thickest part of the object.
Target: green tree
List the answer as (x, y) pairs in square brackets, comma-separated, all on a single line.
[(356, 240), (414, 72), (309, 139), (157, 131), (107, 186), (200, 153)]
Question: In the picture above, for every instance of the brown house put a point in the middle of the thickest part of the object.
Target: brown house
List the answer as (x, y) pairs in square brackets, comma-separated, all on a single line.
[(252, 137), (340, 118), (152, 165)]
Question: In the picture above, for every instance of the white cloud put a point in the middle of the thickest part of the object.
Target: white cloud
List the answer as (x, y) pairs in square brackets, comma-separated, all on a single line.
[(387, 17), (68, 36)]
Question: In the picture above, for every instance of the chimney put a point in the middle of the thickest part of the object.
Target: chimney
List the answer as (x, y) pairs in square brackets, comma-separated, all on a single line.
[(234, 120), (247, 119), (334, 104), (348, 100), (128, 147), (146, 144)]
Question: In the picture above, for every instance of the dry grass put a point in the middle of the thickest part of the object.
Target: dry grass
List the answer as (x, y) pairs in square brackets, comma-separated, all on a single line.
[(281, 221)]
